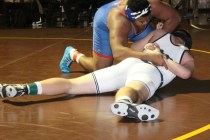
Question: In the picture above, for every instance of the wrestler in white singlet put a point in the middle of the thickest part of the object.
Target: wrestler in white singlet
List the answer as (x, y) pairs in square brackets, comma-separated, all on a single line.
[(133, 69)]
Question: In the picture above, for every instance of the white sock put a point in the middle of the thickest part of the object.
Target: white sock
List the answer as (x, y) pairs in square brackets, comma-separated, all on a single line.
[(75, 55), (124, 98), (39, 88), (72, 53)]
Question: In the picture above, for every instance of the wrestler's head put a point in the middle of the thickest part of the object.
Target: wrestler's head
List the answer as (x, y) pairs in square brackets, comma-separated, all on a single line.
[(185, 36), (137, 8)]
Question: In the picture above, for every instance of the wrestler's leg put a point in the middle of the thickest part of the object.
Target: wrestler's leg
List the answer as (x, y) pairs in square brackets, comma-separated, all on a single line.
[(102, 53), (96, 62), (100, 81), (141, 84), (72, 55), (135, 90), (53, 86), (101, 62), (88, 63), (81, 85)]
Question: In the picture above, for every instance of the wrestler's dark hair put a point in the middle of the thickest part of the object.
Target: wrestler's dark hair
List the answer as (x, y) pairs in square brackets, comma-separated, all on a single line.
[(185, 36), (138, 5)]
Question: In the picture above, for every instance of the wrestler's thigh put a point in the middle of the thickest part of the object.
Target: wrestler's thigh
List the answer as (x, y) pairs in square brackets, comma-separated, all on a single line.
[(101, 62), (83, 84), (114, 77), (147, 74)]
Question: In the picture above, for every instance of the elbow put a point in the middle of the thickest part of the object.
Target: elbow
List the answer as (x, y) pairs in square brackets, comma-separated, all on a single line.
[(172, 23), (176, 21), (186, 75), (178, 18), (118, 55)]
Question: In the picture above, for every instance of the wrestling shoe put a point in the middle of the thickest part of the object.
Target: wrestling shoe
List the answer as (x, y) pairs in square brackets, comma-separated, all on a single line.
[(141, 112), (66, 60), (9, 90)]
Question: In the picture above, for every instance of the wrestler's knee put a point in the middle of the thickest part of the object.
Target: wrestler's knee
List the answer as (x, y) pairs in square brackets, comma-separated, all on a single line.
[(140, 89)]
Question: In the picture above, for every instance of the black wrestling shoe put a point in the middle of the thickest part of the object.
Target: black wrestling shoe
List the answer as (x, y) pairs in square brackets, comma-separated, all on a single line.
[(9, 90), (141, 112)]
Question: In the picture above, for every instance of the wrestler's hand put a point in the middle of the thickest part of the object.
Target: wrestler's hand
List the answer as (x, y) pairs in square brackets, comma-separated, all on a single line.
[(156, 57), (151, 47)]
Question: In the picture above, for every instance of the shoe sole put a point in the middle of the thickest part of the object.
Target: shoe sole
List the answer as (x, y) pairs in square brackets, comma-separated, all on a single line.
[(142, 112)]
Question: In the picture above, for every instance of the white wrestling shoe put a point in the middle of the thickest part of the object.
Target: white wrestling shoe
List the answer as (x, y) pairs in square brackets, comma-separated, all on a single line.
[(141, 112)]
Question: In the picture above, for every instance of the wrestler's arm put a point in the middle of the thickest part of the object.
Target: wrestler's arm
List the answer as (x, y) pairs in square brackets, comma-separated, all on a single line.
[(165, 13), (139, 45), (183, 70), (151, 37), (120, 27)]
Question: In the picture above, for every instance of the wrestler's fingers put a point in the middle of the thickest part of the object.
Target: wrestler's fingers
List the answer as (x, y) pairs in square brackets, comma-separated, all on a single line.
[(149, 46), (165, 65), (164, 62), (156, 45)]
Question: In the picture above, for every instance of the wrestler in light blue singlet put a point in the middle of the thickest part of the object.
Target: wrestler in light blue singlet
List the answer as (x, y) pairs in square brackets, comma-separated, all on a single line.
[(101, 42)]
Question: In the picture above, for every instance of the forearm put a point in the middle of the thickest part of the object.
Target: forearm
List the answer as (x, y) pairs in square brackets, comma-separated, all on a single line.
[(167, 14), (178, 69), (125, 52)]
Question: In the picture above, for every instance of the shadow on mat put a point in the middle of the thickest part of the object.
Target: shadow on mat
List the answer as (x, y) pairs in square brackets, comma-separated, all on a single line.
[(181, 86), (24, 103), (131, 120), (56, 99)]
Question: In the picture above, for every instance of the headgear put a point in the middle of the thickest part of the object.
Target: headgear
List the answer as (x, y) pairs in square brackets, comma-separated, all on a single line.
[(137, 9), (185, 36)]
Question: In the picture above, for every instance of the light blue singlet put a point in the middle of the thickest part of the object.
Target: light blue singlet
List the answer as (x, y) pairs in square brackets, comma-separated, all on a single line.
[(101, 42)]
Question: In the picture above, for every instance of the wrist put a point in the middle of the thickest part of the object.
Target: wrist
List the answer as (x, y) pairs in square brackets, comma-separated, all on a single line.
[(167, 57)]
